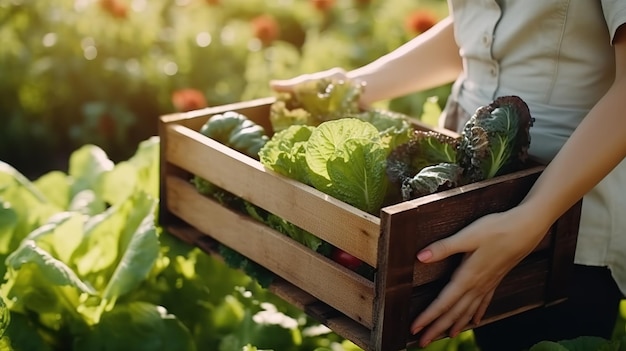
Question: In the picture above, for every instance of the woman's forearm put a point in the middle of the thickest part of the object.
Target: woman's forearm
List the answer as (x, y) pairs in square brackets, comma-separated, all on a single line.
[(429, 60)]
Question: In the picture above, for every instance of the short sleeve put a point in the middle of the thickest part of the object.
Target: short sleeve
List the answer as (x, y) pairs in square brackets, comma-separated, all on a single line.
[(615, 15)]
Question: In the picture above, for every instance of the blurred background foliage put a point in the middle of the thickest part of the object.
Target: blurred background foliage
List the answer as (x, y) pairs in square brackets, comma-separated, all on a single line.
[(102, 71)]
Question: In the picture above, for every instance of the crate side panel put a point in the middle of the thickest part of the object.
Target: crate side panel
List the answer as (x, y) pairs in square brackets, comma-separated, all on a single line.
[(334, 221), (418, 223), (440, 215), (295, 263)]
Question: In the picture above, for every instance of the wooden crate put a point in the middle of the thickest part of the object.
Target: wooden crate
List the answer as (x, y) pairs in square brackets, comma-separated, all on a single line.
[(375, 315)]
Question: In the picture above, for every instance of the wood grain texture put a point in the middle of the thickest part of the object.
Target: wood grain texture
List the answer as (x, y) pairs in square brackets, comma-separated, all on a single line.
[(290, 260), (334, 221)]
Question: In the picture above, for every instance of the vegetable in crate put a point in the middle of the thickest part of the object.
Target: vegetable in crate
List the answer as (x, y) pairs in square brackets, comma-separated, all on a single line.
[(494, 141), (314, 102), (343, 158), (425, 164), (284, 153), (236, 131), (346, 160), (496, 138)]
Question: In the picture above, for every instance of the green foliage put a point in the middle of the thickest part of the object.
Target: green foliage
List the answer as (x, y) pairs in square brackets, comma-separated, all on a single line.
[(582, 343), (67, 267), (90, 73)]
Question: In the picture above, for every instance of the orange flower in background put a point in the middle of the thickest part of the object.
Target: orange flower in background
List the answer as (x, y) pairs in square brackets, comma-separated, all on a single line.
[(107, 125), (188, 100), (213, 2), (117, 8), (419, 21), (323, 5), (265, 28)]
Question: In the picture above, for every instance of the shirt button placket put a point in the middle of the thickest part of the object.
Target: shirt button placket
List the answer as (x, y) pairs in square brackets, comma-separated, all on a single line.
[(487, 40), (494, 70)]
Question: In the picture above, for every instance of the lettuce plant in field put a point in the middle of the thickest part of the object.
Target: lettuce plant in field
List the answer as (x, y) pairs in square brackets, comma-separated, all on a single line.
[(75, 245), (86, 267)]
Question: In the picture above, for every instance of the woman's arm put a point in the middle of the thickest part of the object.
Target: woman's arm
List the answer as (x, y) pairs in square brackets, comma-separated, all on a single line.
[(427, 61), (494, 244)]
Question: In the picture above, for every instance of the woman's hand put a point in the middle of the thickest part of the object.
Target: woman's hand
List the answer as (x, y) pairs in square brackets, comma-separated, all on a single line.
[(493, 245), (286, 85)]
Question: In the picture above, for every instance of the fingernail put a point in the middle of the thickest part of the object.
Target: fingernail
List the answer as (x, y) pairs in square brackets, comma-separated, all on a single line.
[(416, 330), (425, 343), (425, 255)]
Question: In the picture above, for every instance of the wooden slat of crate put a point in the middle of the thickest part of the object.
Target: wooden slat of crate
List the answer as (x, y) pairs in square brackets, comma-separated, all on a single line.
[(329, 219), (292, 261), (255, 110)]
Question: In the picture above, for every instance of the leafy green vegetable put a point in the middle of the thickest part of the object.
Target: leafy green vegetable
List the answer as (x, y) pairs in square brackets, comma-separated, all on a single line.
[(76, 242), (86, 167), (346, 159), (285, 152), (238, 261), (8, 221), (394, 128), (496, 138), (432, 179), (136, 261), (236, 131), (314, 102), (423, 149), (56, 272), (494, 141), (139, 326)]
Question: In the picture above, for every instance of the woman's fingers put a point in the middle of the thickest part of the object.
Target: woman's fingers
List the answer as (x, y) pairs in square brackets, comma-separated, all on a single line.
[(462, 242), (461, 303), (286, 85), (450, 301), (465, 318), (456, 318), (482, 309)]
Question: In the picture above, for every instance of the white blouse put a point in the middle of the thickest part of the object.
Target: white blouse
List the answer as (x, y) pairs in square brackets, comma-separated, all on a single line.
[(557, 56)]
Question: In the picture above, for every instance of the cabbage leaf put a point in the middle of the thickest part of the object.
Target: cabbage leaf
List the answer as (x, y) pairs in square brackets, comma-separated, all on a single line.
[(346, 160)]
